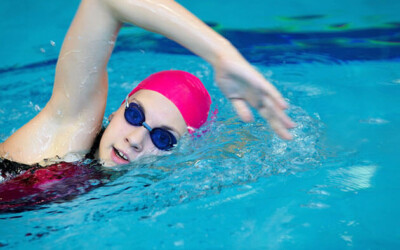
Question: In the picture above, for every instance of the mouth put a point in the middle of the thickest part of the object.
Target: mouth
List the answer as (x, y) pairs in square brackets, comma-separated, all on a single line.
[(118, 156)]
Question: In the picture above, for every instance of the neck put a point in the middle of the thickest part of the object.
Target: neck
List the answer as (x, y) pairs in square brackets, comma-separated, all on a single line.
[(94, 151)]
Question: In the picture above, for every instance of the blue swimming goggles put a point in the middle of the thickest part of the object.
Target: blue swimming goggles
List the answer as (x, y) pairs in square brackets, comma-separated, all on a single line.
[(161, 138)]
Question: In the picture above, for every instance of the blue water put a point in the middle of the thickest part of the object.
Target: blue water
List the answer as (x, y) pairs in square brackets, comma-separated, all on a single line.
[(239, 186)]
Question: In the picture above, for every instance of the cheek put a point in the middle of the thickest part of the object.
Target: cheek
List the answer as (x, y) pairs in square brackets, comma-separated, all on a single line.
[(113, 132), (149, 148), (104, 144)]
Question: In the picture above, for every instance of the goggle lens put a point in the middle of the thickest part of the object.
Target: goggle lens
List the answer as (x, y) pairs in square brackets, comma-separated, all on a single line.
[(161, 138), (134, 114)]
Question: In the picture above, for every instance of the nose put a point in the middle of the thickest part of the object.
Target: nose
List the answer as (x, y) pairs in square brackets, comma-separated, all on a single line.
[(136, 138)]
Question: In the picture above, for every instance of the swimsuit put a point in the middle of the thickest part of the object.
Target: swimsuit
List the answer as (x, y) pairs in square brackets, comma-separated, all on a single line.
[(23, 186), (39, 185), (10, 168)]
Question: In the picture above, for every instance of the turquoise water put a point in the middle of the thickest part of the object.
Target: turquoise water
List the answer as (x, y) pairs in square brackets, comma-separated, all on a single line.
[(238, 186)]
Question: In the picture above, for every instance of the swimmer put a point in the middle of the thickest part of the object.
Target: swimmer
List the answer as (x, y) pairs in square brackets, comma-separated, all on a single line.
[(156, 114)]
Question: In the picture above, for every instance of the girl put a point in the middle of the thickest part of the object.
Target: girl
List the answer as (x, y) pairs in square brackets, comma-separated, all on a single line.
[(156, 113), (72, 118)]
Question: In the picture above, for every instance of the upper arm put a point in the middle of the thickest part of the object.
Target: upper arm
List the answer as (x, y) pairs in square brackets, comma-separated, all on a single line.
[(73, 116), (81, 77), (46, 136)]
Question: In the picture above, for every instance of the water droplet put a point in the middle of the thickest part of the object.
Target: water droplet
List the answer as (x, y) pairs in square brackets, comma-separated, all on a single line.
[(374, 121), (179, 243), (94, 182)]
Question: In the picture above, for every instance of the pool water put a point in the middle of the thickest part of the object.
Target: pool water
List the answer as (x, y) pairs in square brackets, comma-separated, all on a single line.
[(237, 186)]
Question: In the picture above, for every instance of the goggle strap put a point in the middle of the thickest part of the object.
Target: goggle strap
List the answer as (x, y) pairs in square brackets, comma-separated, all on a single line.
[(147, 126), (126, 101)]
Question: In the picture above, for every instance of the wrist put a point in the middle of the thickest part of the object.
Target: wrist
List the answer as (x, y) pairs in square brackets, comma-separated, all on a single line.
[(226, 54)]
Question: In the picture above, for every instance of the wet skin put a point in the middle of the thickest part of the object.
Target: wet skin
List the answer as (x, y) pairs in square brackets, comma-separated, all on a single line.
[(122, 143)]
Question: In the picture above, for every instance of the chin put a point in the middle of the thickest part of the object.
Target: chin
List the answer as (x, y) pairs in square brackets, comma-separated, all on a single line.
[(105, 159), (145, 157), (107, 164)]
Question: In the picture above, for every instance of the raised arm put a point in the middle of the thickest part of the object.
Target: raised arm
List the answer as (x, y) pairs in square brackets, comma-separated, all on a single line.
[(74, 114), (238, 80), (81, 70), (81, 75)]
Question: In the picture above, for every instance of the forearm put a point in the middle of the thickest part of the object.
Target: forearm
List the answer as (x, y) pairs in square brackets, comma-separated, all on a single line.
[(81, 77), (170, 19)]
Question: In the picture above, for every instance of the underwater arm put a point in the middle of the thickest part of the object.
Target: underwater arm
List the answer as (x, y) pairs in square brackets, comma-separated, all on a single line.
[(238, 80)]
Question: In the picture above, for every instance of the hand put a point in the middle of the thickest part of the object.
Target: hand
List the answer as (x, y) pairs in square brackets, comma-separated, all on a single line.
[(243, 85)]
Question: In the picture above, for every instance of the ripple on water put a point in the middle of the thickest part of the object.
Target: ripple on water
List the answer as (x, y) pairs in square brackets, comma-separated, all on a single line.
[(232, 153)]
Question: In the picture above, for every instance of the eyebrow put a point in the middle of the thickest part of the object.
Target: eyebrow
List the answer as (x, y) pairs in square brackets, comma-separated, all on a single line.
[(163, 126)]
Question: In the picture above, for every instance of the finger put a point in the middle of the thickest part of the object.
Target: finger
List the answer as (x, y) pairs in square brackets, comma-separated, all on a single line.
[(269, 89), (281, 115), (287, 122), (257, 80), (242, 110), (268, 111)]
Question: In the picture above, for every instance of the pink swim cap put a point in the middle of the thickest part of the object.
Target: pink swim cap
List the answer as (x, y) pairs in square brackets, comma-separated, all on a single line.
[(183, 89)]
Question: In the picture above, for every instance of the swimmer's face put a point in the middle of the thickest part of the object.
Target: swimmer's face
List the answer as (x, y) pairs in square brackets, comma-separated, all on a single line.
[(122, 142)]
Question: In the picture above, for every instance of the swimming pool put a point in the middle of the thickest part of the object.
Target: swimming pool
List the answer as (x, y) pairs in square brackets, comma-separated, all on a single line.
[(238, 186)]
